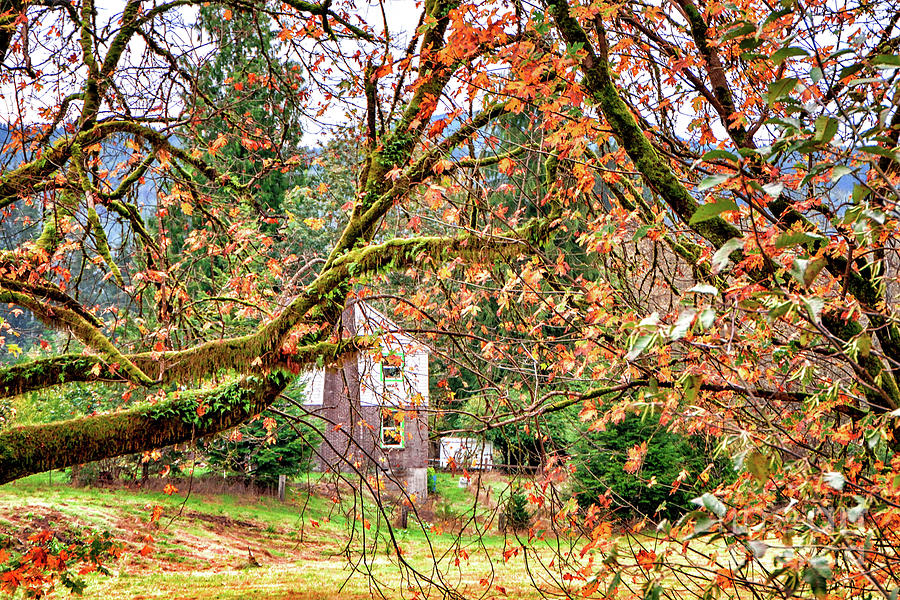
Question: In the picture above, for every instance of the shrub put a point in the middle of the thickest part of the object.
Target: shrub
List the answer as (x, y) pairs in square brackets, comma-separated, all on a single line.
[(262, 450), (516, 510), (652, 490), (432, 480)]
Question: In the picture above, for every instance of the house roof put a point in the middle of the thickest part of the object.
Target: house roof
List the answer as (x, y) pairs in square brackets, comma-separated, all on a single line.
[(370, 321)]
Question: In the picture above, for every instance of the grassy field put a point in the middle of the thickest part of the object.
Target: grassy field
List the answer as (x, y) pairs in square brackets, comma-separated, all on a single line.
[(227, 546)]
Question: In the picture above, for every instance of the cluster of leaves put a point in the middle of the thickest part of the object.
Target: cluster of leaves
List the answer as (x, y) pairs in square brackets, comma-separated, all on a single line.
[(45, 561)]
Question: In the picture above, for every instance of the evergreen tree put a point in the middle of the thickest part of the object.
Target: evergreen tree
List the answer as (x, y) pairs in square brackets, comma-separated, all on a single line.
[(673, 469), (246, 91)]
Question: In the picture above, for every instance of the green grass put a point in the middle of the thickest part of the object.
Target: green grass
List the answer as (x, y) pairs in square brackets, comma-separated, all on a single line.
[(203, 553)]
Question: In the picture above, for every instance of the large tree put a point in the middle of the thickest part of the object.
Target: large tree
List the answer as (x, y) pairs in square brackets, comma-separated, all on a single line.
[(708, 234)]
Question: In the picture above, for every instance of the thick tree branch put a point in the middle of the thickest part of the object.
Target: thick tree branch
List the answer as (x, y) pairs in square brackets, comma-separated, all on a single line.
[(171, 366), (598, 82), (183, 417), (241, 353)]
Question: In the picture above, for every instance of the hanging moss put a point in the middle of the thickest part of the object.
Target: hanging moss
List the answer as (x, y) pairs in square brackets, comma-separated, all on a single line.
[(50, 238), (103, 245), (36, 448), (48, 372), (175, 366)]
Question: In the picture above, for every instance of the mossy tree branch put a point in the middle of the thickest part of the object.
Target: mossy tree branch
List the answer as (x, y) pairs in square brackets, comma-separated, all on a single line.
[(599, 84), (84, 329), (241, 353), (172, 367), (181, 418)]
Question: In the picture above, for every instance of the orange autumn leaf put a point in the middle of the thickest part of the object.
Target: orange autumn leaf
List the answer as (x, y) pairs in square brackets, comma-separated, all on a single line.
[(636, 456), (646, 560)]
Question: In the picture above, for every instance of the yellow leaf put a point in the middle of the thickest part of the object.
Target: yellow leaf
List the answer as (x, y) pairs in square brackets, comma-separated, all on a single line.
[(217, 144), (314, 223)]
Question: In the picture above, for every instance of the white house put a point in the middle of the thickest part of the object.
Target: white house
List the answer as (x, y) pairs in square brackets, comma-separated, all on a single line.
[(466, 453), (374, 404)]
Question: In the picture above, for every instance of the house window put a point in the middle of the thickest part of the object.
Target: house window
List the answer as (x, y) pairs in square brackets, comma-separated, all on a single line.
[(392, 368), (392, 428)]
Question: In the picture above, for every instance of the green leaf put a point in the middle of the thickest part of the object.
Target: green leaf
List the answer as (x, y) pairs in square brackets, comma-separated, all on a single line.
[(875, 215), (720, 258), (779, 89), (723, 154), (758, 548), (682, 324), (812, 271), (817, 584), (805, 271), (650, 320), (786, 122), (641, 232), (710, 210), (702, 526), (817, 575), (780, 310), (691, 385), (816, 74), (859, 192), (826, 127), (740, 28), (712, 504), (757, 465), (878, 151), (780, 56), (778, 13), (712, 181), (839, 171), (857, 511), (640, 344), (814, 308), (850, 70), (791, 238), (887, 61), (864, 344), (707, 318)]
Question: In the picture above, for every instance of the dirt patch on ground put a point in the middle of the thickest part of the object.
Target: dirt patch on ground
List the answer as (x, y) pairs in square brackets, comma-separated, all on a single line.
[(221, 522), (18, 527), (190, 541)]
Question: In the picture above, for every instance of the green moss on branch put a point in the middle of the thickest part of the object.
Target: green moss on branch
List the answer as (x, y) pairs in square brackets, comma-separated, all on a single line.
[(181, 418), (599, 83)]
